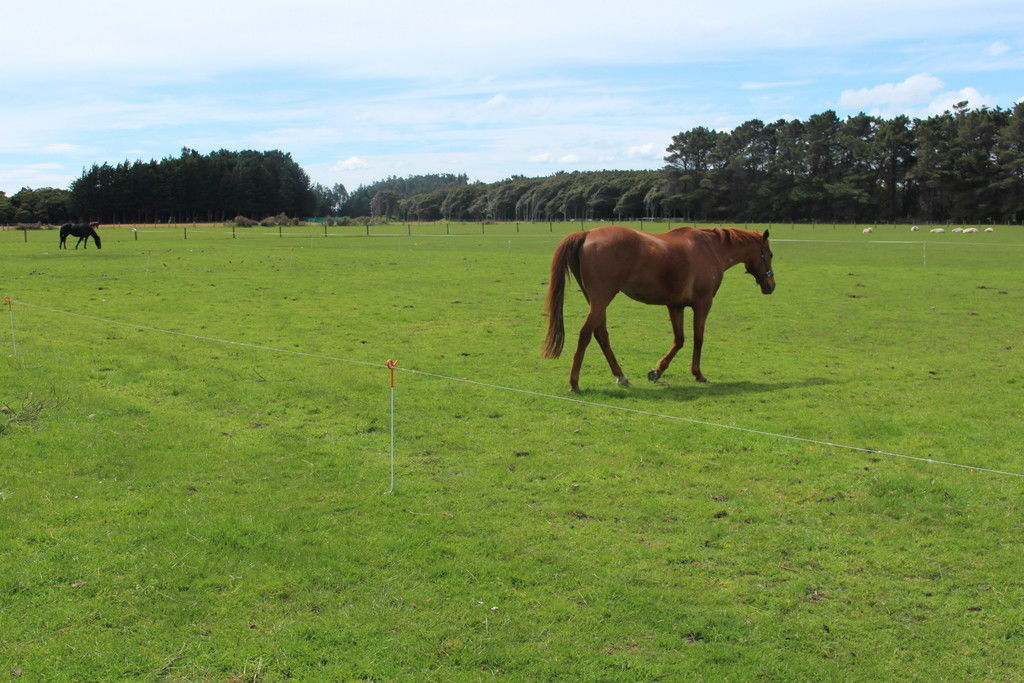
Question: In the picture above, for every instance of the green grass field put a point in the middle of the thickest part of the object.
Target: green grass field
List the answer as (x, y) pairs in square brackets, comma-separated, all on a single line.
[(173, 506)]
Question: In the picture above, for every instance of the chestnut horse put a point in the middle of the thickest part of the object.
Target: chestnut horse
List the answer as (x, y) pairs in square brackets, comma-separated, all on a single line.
[(679, 268)]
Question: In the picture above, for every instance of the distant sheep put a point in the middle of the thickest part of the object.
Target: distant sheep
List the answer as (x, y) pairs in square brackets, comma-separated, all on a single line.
[(990, 229), (957, 230), (937, 230), (914, 228), (970, 230), (867, 230)]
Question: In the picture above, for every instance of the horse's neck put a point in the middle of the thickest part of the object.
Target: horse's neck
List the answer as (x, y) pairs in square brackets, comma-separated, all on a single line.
[(734, 248)]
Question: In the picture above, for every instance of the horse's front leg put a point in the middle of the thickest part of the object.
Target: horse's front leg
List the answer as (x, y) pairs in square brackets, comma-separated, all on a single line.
[(675, 315), (586, 332), (700, 316)]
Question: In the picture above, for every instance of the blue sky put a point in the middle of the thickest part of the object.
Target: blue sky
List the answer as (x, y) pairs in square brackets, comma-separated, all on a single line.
[(357, 91)]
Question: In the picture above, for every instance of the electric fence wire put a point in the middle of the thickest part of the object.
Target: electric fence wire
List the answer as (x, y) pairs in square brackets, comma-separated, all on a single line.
[(537, 394)]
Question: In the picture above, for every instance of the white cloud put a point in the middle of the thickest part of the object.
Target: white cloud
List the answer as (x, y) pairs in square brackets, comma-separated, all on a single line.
[(61, 148), (291, 138), (34, 176), (650, 150), (912, 91), (194, 38), (998, 49), (352, 164), (548, 158), (945, 101), (498, 100), (771, 85), (918, 96)]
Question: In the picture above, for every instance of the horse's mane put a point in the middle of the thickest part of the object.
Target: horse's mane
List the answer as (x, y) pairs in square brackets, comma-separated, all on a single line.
[(730, 236), (734, 235)]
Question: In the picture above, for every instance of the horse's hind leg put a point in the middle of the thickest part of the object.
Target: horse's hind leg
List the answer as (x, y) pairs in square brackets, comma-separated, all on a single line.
[(675, 315), (586, 332), (601, 334), (594, 326)]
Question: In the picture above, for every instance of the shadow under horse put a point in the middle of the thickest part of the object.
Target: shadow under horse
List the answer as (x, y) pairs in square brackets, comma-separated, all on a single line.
[(676, 269), (83, 231)]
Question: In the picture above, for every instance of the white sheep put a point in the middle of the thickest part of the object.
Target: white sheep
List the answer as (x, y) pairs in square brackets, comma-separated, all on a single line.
[(970, 230), (867, 230), (937, 230), (990, 229), (958, 229), (914, 228)]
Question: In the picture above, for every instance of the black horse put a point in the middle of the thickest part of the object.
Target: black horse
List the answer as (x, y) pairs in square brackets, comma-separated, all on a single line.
[(83, 231)]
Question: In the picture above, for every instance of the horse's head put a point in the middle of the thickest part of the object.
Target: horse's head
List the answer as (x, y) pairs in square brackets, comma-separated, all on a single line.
[(760, 266)]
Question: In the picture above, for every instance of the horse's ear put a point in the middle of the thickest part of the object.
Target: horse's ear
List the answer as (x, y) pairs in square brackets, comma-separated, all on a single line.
[(764, 236)]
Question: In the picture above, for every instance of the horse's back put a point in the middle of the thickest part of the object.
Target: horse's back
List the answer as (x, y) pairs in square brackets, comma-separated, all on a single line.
[(672, 268)]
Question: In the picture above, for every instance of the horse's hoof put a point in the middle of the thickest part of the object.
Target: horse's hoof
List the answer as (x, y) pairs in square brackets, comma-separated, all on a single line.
[(701, 378), (653, 376), (623, 381)]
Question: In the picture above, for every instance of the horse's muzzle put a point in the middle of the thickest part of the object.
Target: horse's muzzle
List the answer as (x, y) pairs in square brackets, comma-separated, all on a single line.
[(766, 282)]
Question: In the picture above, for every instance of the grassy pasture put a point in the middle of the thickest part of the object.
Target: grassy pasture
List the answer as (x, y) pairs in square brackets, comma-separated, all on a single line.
[(177, 507)]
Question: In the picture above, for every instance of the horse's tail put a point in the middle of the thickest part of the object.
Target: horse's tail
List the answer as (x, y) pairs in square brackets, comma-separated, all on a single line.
[(566, 258)]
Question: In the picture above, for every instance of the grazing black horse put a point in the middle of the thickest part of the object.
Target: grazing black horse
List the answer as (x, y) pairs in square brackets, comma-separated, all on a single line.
[(83, 231)]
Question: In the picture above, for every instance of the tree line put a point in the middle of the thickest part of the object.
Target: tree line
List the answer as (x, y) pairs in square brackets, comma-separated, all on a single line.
[(563, 196), (965, 165), (195, 187), (191, 187)]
